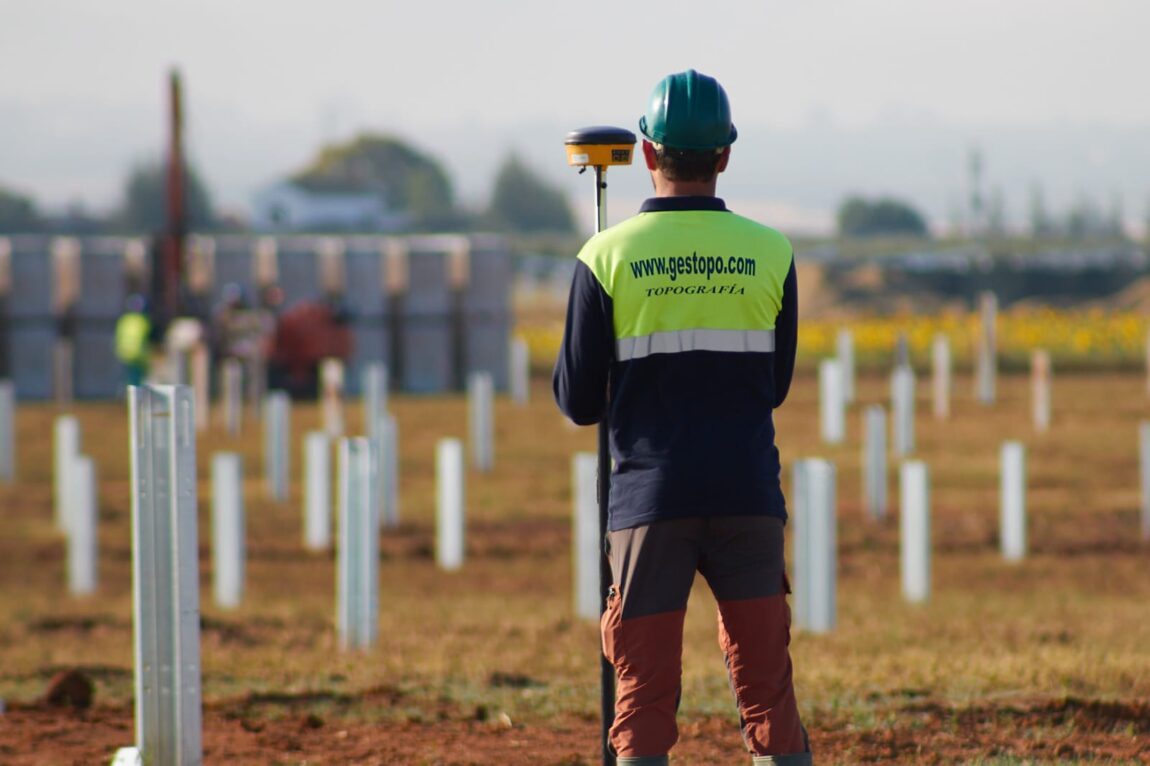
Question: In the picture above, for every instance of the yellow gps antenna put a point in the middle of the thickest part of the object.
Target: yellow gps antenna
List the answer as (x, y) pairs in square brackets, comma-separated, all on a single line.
[(601, 147)]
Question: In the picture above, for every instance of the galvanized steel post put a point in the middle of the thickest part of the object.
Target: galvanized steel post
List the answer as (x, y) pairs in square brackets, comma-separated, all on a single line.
[(165, 581)]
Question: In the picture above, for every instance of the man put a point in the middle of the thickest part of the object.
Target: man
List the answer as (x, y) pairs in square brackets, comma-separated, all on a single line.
[(133, 332), (681, 332)]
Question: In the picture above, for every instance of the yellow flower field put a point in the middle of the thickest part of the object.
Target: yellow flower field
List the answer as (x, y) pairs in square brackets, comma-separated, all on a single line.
[(1074, 338)]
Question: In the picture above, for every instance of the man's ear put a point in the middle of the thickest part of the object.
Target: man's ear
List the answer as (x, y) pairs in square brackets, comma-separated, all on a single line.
[(649, 155), (724, 158)]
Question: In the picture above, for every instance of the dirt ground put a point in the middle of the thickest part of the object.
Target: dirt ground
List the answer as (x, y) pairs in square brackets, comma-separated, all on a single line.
[(1046, 661)]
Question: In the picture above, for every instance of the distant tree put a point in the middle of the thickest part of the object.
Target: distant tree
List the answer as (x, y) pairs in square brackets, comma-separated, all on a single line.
[(858, 217), (145, 203), (18, 213), (406, 179), (524, 201)]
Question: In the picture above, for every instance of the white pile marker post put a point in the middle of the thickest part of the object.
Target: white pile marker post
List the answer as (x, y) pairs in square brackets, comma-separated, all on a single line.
[(902, 410), (914, 530), (1144, 464), (986, 364), (82, 540), (232, 388), (1148, 362), (228, 537), (331, 394), (520, 372), (874, 462), (358, 555), (374, 384), (277, 444), (587, 548), (832, 401), (317, 491), (1040, 382), (449, 514), (815, 545), (66, 448), (1013, 501), (7, 432), (940, 372), (845, 346), (201, 383), (480, 408), (389, 465), (165, 575)]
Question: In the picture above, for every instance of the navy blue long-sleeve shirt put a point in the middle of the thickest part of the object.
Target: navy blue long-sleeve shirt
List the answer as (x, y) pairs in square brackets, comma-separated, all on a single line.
[(690, 426)]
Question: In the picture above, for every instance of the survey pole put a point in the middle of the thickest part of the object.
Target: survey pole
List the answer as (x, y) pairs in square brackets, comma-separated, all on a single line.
[(600, 147)]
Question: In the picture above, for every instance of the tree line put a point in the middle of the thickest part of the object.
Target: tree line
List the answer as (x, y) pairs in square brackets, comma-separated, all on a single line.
[(405, 179)]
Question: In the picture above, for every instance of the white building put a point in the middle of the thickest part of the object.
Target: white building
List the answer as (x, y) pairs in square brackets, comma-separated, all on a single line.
[(286, 206)]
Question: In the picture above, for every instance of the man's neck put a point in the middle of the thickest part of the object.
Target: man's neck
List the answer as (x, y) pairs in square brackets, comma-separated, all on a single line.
[(665, 188)]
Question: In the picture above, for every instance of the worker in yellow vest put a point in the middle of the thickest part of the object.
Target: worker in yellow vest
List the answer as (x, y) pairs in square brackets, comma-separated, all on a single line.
[(132, 333), (681, 332)]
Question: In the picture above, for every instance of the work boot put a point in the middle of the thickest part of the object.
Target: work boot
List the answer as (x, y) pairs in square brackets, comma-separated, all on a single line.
[(791, 759), (642, 760)]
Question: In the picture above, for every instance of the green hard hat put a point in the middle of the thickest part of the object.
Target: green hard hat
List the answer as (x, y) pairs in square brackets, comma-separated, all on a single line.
[(689, 110)]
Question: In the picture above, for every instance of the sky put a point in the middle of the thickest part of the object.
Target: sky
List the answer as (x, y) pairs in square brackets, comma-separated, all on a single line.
[(830, 96)]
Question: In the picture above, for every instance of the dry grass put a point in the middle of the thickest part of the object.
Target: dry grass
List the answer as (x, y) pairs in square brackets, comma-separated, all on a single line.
[(1068, 621)]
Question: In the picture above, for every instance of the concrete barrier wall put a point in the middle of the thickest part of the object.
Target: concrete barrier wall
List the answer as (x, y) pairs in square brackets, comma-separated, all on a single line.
[(429, 329)]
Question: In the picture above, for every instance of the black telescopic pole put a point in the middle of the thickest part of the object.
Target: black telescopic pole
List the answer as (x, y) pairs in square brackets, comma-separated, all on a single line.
[(606, 669), (600, 147)]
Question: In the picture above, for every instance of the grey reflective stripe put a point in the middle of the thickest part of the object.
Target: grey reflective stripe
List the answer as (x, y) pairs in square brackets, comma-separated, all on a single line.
[(674, 341)]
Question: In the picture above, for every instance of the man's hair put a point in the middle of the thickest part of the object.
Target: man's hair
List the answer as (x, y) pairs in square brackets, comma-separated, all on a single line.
[(687, 164)]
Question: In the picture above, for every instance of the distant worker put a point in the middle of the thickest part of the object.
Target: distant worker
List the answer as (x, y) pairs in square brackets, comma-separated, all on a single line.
[(133, 333), (681, 332), (305, 335)]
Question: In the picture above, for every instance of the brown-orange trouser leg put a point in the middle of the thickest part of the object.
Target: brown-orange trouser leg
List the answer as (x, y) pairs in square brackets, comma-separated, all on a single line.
[(652, 567), (743, 563)]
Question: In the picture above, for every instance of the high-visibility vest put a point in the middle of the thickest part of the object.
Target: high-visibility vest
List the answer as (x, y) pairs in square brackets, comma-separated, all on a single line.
[(691, 280), (132, 332)]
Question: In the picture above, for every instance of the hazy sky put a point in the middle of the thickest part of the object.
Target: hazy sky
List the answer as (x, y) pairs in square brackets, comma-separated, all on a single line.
[(82, 83)]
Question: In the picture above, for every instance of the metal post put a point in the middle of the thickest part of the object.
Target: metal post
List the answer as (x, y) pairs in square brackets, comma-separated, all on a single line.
[(66, 448), (902, 409), (1144, 465), (277, 444), (832, 401), (228, 538), (449, 514), (317, 491), (1040, 380), (987, 361), (520, 372), (587, 548), (7, 432), (374, 385), (389, 462), (165, 575), (815, 545), (480, 395), (845, 343), (874, 462), (358, 575), (940, 369), (1013, 501), (82, 545), (914, 530)]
